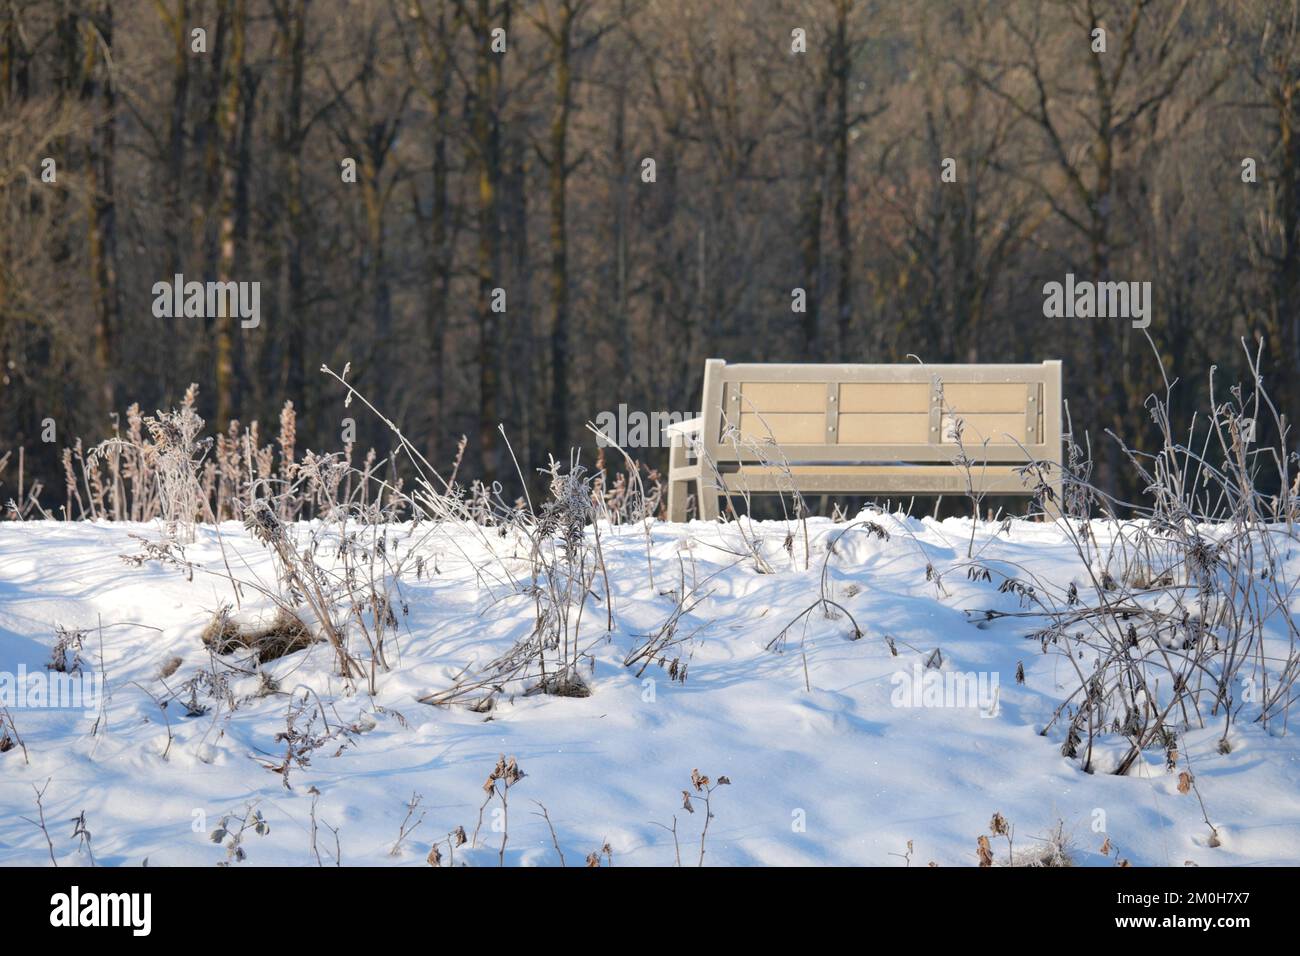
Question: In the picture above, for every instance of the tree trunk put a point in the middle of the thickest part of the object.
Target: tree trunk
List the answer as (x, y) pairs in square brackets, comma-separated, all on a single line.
[(486, 82), (559, 174), (226, 384), (841, 68), (176, 139), (100, 97), (440, 298), (294, 361), (811, 250)]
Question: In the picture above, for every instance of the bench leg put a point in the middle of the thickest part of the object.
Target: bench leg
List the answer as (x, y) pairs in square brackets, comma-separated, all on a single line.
[(678, 492), (679, 480), (706, 499)]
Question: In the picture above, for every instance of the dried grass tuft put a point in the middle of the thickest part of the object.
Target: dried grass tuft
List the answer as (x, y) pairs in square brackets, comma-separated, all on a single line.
[(285, 634)]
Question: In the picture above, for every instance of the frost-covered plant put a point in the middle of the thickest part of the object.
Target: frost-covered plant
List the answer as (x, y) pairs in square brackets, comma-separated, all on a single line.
[(171, 456), (1052, 850), (65, 655), (301, 579), (628, 496), (700, 794), (564, 568), (504, 775), (1168, 626), (302, 736), (455, 838), (565, 558), (177, 452), (663, 646), (410, 823), (160, 467), (230, 832), (9, 736)]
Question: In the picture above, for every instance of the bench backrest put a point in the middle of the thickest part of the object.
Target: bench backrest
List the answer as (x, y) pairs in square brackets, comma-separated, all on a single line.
[(886, 414)]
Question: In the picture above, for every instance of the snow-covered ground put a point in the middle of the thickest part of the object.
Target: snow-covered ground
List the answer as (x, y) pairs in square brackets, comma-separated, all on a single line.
[(839, 774)]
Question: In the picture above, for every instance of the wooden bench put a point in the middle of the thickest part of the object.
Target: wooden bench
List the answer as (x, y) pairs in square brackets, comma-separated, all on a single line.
[(864, 429)]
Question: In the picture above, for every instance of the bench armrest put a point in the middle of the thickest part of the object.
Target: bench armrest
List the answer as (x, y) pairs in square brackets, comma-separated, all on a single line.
[(692, 426)]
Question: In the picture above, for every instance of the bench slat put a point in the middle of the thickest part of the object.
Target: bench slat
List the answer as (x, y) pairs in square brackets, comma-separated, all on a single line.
[(884, 397), (785, 428), (992, 479), (959, 396), (995, 427), (856, 428), (782, 397)]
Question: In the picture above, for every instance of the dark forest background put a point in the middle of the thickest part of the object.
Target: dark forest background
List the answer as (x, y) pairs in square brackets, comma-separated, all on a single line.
[(522, 170)]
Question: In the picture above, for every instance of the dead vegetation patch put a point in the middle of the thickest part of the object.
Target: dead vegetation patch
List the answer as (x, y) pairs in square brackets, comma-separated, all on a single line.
[(562, 684), (284, 634)]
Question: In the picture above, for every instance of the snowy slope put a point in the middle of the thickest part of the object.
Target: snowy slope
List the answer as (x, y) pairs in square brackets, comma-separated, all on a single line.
[(835, 775)]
